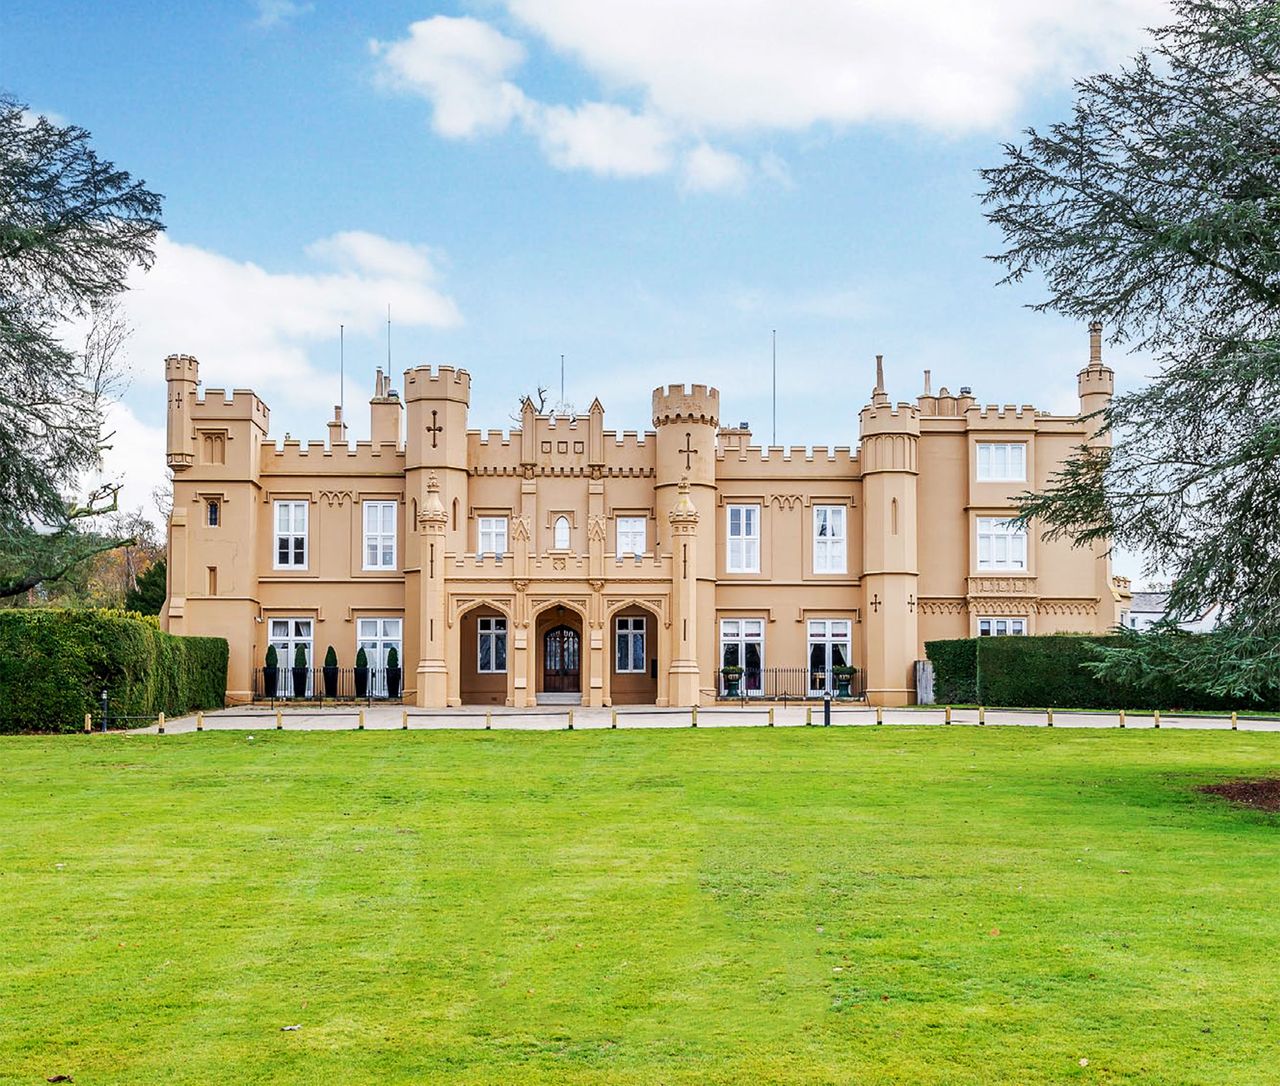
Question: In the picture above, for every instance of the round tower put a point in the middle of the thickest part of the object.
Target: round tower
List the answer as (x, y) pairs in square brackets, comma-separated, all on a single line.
[(686, 421), (436, 402), (890, 579), (1097, 384), (182, 373)]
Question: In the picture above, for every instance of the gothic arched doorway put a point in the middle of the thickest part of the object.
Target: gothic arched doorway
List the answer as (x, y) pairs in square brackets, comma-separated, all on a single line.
[(562, 661)]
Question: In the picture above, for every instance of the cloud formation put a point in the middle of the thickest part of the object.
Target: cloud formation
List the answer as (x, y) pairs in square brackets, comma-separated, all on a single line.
[(739, 69)]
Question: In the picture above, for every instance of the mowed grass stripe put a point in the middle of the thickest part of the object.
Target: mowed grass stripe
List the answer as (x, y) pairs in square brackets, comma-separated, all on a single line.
[(789, 905)]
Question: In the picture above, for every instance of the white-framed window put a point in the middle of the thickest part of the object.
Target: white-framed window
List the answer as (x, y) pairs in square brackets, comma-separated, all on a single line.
[(744, 539), (491, 645), (1001, 545), (379, 535), (213, 513), (1002, 462), (288, 635), (830, 539), (631, 536), (742, 646), (378, 636), (491, 536), (629, 654), (1002, 627), (560, 534), (830, 647), (291, 535)]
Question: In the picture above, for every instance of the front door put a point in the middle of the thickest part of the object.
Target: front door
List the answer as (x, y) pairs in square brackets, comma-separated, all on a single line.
[(561, 661)]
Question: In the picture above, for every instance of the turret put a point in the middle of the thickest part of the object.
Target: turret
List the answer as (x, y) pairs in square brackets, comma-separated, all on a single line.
[(1096, 382), (436, 401), (182, 372)]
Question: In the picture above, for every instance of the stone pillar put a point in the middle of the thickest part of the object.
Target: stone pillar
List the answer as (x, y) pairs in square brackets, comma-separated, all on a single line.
[(433, 669), (685, 677), (890, 580)]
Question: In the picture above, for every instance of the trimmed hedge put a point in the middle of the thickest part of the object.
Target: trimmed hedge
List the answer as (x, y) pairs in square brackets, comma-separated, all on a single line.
[(955, 670), (54, 665), (1025, 672)]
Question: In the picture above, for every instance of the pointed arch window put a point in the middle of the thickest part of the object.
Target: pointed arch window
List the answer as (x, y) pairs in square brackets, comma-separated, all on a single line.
[(560, 531)]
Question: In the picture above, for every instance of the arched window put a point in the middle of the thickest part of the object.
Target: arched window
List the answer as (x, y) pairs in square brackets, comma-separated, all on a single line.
[(561, 533), (215, 514)]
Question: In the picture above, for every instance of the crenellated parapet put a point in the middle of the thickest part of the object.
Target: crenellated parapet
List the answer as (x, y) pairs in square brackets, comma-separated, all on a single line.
[(242, 404), (437, 383), (681, 404), (294, 457)]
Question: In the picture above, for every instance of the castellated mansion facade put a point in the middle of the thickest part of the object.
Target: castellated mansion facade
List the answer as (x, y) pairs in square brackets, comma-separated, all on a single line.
[(567, 562)]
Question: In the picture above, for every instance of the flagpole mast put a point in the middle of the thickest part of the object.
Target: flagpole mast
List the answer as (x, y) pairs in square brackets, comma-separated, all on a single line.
[(775, 387)]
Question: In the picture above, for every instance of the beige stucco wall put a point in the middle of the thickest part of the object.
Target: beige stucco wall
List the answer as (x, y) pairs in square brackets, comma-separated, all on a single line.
[(909, 487)]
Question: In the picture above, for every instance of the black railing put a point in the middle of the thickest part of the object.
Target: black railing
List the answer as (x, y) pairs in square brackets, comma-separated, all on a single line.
[(791, 684), (321, 684)]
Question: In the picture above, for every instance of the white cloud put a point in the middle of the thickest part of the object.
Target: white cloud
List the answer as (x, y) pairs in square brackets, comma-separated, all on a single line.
[(741, 68), (273, 13), (135, 459), (707, 169), (254, 328), (460, 67), (604, 139)]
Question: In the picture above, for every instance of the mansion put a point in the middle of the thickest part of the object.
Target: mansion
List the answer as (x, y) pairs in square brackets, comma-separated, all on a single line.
[(566, 562)]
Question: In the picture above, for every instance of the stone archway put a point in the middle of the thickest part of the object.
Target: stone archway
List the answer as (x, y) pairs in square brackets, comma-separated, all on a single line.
[(559, 660), (635, 655)]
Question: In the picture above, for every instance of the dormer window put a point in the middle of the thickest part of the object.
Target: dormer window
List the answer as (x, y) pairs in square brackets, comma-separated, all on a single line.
[(213, 512), (560, 531)]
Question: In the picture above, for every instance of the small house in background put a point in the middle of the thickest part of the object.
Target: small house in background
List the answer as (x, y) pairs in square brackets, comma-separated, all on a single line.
[(1149, 608)]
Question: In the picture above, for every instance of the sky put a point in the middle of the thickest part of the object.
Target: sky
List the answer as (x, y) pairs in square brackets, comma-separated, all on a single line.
[(648, 187)]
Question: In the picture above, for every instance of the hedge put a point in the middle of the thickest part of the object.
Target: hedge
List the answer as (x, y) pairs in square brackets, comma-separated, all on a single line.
[(54, 665), (1047, 671)]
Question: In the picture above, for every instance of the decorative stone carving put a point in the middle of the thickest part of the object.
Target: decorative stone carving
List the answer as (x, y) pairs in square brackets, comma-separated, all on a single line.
[(334, 497)]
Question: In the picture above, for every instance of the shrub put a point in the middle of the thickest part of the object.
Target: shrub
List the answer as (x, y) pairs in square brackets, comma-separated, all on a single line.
[(362, 658), (393, 657), (54, 665), (330, 657), (299, 656), (273, 657), (955, 670)]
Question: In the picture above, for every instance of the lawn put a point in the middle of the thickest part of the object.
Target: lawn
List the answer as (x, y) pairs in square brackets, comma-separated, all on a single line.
[(845, 905)]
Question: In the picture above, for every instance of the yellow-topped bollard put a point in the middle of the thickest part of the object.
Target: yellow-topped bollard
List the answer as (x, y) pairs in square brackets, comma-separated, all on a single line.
[(160, 722), (613, 718), (1234, 720), (571, 720), (771, 716), (982, 714), (1049, 717), (360, 726), (404, 719), (200, 721), (693, 717), (279, 720), (88, 722), (1122, 718), (1156, 719), (947, 718), (879, 714)]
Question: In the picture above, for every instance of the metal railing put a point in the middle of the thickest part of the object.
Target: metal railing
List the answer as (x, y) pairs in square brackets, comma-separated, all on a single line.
[(791, 684), (322, 684)]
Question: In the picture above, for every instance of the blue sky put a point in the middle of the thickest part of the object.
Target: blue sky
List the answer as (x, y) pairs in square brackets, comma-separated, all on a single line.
[(649, 188)]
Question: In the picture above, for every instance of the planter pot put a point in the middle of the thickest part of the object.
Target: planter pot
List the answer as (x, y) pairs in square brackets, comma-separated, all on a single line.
[(393, 682), (299, 681), (330, 682), (732, 685), (362, 682), (842, 685), (270, 681)]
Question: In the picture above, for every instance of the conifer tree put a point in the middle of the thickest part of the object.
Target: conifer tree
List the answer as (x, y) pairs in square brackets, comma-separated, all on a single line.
[(1156, 209)]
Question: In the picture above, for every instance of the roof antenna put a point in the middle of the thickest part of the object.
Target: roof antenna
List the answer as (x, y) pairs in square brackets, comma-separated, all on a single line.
[(342, 367), (775, 387)]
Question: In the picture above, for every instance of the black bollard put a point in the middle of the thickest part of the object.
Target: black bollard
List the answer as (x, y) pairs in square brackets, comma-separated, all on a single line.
[(826, 710)]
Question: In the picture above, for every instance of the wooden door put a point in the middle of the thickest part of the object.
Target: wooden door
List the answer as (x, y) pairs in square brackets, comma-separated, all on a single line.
[(561, 661)]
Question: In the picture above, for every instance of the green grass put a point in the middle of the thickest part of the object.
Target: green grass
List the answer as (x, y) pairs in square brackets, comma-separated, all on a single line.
[(845, 905)]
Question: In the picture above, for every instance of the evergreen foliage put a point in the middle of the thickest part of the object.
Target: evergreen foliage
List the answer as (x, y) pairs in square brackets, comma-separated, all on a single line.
[(273, 657), (362, 658), (148, 598), (393, 657), (54, 665), (1156, 209), (955, 670), (299, 656), (330, 657)]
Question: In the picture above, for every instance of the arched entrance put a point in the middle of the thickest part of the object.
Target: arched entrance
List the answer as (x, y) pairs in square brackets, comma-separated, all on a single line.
[(560, 669)]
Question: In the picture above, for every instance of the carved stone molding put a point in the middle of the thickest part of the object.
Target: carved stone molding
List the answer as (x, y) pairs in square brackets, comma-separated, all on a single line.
[(334, 497), (596, 529), (1002, 586), (1068, 607), (943, 607)]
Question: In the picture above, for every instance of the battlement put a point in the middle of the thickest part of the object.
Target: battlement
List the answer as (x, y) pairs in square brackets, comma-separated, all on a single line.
[(990, 411), (317, 458), (242, 403), (819, 460), (886, 418), (637, 440), (437, 383), (1096, 378), (681, 404), (181, 367)]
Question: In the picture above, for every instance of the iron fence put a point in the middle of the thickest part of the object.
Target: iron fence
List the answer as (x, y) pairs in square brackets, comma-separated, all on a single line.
[(323, 684), (791, 684)]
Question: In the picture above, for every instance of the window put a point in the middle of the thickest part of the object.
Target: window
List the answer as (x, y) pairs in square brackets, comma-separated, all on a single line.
[(213, 513), (561, 532), (1002, 463), (378, 636), (629, 650), (492, 536), (744, 539), (288, 635), (631, 536), (379, 535), (1000, 545), (742, 646), (828, 648), (1002, 627), (491, 646), (291, 535), (829, 539), (212, 578)]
